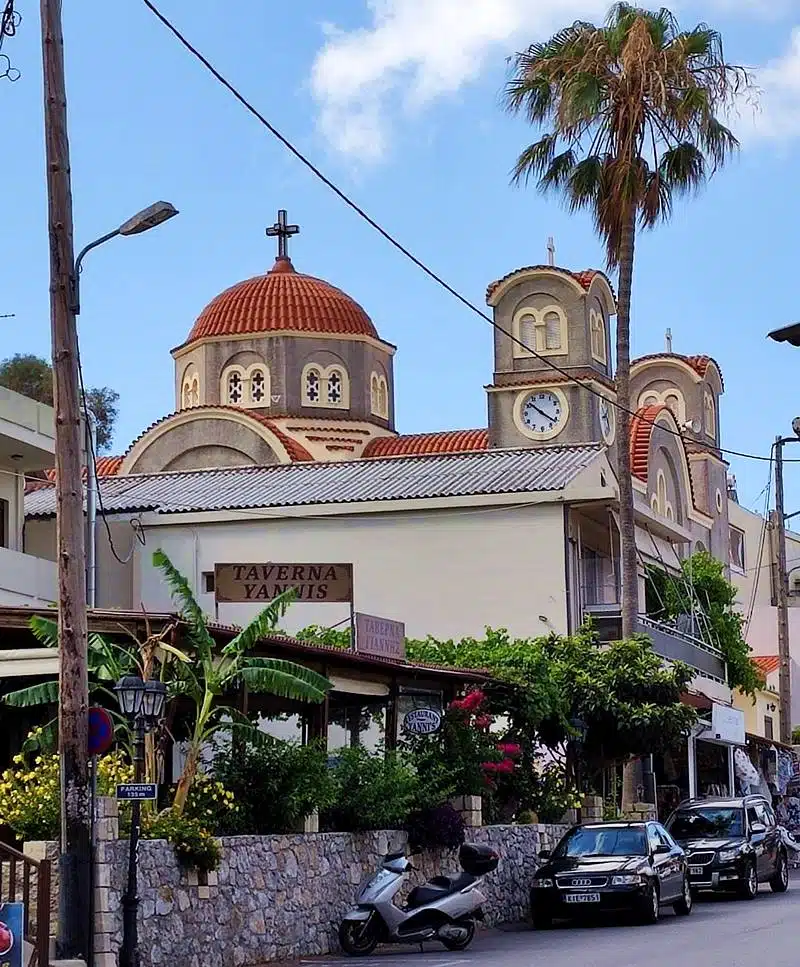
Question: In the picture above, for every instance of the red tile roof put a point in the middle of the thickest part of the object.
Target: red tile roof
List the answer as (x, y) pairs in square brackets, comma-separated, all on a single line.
[(698, 363), (767, 663), (446, 441), (283, 300), (641, 430), (585, 277), (106, 467)]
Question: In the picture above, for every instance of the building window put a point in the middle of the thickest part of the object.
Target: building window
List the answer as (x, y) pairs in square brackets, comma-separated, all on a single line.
[(768, 730), (597, 334), (710, 416), (325, 387), (671, 398), (737, 556), (234, 392), (190, 388), (649, 399), (540, 332), (246, 387), (379, 396), (258, 386), (209, 582), (4, 523), (659, 502)]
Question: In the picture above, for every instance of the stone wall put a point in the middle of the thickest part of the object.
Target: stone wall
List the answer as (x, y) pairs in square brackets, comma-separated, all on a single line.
[(281, 897)]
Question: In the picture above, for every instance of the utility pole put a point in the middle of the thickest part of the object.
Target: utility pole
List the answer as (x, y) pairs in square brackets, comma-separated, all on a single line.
[(782, 597), (74, 913)]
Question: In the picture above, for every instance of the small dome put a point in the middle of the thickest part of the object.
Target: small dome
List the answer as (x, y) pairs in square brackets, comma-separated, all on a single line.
[(283, 300)]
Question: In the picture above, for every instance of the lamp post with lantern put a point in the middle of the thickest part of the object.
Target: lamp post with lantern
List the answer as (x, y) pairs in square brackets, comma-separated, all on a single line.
[(143, 704)]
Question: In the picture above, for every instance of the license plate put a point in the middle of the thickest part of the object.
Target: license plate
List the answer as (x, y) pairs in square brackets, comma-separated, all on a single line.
[(695, 871), (582, 898)]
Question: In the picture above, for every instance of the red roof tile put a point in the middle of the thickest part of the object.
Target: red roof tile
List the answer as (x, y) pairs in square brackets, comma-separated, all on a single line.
[(283, 300), (641, 430), (698, 363), (106, 467), (585, 277), (416, 444), (767, 663)]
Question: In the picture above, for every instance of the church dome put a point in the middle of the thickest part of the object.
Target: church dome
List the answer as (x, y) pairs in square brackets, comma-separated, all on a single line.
[(283, 300)]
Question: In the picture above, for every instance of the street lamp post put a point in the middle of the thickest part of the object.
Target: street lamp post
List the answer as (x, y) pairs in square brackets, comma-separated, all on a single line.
[(143, 704), (142, 221)]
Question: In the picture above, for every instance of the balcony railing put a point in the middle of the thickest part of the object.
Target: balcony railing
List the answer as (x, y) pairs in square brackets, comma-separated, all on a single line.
[(668, 641)]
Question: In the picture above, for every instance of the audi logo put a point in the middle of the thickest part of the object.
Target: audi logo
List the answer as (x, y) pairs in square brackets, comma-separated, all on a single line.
[(582, 882)]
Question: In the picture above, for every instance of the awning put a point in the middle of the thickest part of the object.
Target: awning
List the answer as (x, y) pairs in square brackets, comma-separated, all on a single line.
[(28, 662)]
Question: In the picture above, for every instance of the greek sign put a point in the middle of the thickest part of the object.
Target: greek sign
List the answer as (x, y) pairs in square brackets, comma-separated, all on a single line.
[(12, 918), (380, 636), (129, 791), (260, 583), (422, 721)]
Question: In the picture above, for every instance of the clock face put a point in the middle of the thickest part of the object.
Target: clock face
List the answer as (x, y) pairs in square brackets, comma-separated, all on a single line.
[(607, 422), (542, 412)]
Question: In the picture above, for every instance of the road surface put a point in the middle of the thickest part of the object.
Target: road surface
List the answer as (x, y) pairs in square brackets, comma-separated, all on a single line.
[(719, 933)]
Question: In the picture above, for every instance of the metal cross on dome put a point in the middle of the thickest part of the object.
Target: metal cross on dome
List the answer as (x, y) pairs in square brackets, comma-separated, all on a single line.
[(283, 232)]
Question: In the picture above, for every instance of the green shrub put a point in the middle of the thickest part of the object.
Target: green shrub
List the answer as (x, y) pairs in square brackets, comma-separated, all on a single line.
[(372, 791), (194, 846), (274, 786)]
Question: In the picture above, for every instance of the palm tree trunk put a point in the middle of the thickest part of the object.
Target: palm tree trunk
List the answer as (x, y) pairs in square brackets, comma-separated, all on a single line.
[(627, 527)]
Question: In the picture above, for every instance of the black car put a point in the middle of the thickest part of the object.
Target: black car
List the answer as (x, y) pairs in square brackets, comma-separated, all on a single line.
[(731, 844), (611, 868)]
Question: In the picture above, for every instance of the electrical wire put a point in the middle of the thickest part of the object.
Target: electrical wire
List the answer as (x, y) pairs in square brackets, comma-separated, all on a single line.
[(136, 526), (340, 193), (764, 517)]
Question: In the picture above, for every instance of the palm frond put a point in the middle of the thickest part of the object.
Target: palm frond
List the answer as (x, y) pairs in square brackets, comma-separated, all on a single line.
[(683, 168), (558, 172), (285, 679), (45, 693), (265, 623), (190, 609)]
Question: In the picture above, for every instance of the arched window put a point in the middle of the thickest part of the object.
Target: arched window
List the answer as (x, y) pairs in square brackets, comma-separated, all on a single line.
[(659, 501), (674, 402), (327, 387), (597, 332), (540, 331), (234, 383), (190, 388), (258, 386), (709, 415), (312, 385), (649, 399), (379, 396)]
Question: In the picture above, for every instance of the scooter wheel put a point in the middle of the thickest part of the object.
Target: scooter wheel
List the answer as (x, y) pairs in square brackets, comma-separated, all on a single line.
[(469, 926), (358, 938)]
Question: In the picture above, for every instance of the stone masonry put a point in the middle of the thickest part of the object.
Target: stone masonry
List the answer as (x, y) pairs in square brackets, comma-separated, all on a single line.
[(278, 897)]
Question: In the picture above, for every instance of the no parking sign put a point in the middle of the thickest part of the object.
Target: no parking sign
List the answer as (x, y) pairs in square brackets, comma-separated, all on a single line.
[(11, 929)]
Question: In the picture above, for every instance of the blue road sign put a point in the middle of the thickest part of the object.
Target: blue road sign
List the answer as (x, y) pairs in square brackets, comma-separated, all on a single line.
[(101, 731), (129, 791), (12, 917)]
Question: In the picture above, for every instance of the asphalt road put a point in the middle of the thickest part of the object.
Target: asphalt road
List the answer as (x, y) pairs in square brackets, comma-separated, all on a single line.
[(719, 933)]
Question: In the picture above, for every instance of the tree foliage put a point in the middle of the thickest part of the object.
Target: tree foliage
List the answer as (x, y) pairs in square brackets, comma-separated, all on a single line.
[(703, 589), (32, 376)]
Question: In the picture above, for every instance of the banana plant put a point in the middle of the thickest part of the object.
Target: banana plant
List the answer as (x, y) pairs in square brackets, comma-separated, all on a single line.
[(214, 673)]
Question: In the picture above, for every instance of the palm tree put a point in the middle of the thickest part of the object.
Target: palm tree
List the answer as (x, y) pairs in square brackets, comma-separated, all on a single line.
[(631, 116), (214, 673)]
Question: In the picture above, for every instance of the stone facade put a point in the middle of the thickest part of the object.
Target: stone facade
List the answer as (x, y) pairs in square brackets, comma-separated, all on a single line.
[(277, 898)]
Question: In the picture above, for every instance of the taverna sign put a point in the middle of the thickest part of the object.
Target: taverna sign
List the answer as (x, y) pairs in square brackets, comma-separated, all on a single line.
[(422, 721)]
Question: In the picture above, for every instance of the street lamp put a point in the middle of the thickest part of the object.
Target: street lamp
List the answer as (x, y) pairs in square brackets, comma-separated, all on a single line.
[(143, 704), (142, 221)]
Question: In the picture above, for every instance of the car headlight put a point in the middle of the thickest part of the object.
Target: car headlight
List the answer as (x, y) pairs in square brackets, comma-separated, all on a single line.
[(626, 879), (543, 884), (728, 855)]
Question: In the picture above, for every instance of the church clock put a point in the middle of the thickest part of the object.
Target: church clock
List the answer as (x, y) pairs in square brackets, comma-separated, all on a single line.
[(542, 414), (607, 415)]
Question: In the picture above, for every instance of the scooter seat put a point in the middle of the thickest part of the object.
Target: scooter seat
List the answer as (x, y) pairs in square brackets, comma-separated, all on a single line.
[(437, 888)]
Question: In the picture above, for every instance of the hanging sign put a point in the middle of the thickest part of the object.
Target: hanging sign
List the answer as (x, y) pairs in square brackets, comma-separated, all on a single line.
[(12, 918), (380, 637), (727, 724), (422, 721), (261, 583), (130, 791)]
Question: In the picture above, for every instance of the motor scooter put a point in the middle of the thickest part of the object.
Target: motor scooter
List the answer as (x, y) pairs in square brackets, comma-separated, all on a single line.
[(444, 909)]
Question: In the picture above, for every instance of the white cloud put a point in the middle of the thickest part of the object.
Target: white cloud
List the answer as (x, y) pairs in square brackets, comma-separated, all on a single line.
[(414, 51), (778, 116)]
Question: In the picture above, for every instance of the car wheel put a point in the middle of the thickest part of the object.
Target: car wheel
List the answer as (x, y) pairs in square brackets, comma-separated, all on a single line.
[(749, 888), (684, 906), (650, 905), (541, 920), (780, 881)]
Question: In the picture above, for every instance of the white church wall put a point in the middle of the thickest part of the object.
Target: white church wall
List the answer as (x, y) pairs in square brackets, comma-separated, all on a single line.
[(446, 572)]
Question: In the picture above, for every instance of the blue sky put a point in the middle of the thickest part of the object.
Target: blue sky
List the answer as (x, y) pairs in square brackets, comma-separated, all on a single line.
[(398, 101)]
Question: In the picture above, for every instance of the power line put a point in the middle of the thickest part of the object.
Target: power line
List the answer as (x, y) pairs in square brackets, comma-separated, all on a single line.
[(399, 245), (754, 593)]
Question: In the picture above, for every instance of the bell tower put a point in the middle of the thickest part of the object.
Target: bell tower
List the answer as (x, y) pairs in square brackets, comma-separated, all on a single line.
[(559, 326)]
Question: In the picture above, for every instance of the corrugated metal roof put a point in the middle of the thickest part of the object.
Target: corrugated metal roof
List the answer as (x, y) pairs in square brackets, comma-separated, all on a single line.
[(298, 485)]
